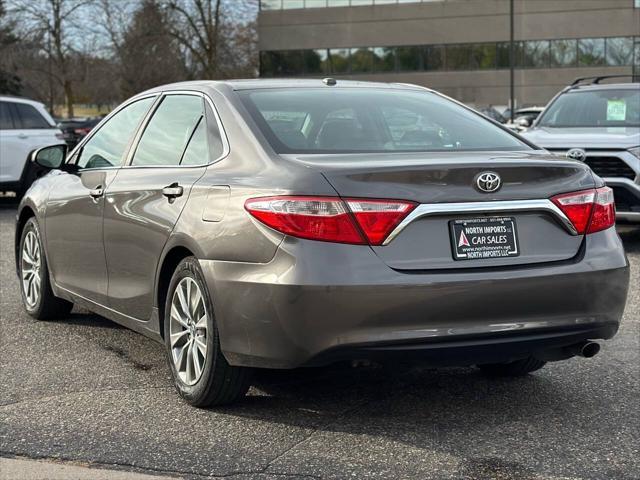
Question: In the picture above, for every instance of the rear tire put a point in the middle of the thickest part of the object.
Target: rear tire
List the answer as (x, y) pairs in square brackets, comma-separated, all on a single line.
[(518, 368), (201, 374), (35, 286)]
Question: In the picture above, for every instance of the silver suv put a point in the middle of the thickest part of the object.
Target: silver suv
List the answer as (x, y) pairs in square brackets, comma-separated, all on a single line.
[(598, 124)]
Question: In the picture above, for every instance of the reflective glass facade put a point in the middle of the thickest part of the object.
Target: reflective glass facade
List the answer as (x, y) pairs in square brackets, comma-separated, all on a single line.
[(293, 4), (587, 52)]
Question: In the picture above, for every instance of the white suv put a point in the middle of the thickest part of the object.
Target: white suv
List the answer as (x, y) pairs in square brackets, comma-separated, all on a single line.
[(598, 124), (24, 126)]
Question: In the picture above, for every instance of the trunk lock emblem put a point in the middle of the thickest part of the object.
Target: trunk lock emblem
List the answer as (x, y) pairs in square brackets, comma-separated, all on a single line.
[(488, 182)]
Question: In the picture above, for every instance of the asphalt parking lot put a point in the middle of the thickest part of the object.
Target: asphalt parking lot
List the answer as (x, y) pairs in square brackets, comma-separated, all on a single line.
[(86, 391)]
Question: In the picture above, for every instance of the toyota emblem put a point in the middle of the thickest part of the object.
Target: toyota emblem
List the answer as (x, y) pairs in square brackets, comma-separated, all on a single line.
[(488, 182), (577, 154)]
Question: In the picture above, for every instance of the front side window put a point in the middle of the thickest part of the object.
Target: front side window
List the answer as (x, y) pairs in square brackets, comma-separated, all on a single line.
[(30, 118), (169, 130), (596, 108), (108, 145), (359, 120)]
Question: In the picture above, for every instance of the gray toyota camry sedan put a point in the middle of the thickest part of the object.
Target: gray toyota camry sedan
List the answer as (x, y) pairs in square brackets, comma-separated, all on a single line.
[(281, 224)]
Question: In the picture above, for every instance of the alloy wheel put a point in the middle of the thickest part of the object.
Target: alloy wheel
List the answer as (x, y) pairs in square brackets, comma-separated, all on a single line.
[(188, 331), (31, 263)]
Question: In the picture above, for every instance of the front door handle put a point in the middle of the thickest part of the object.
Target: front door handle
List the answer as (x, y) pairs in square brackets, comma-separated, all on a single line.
[(96, 192), (22, 136), (172, 191)]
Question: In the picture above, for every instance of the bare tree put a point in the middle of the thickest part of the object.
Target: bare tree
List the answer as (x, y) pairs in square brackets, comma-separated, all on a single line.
[(209, 30), (54, 22), (10, 82), (148, 54)]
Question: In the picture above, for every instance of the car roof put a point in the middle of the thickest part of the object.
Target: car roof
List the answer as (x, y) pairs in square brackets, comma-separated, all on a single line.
[(259, 83), (605, 86), (11, 98)]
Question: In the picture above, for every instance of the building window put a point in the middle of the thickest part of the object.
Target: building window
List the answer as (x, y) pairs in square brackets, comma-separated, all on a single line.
[(591, 51), (361, 60), (613, 51), (384, 59), (278, 64), (315, 3), (291, 4), (502, 55), (433, 58), (619, 51), (409, 58), (483, 56), (339, 60), (315, 62), (563, 53), (270, 4), (458, 57), (535, 54)]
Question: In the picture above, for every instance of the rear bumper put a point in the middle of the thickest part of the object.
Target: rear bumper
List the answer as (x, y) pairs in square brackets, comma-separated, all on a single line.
[(316, 302)]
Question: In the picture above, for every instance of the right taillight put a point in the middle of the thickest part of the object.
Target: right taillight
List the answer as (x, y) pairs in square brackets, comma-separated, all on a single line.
[(589, 211)]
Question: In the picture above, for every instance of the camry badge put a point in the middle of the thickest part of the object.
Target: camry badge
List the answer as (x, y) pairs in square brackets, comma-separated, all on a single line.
[(488, 182), (577, 154)]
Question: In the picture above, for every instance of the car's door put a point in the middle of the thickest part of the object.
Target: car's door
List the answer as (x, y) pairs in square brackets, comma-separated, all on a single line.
[(147, 197), (75, 207), (10, 167), (32, 128)]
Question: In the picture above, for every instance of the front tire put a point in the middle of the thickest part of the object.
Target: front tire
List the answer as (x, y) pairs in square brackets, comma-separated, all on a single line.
[(37, 296), (201, 374), (518, 368)]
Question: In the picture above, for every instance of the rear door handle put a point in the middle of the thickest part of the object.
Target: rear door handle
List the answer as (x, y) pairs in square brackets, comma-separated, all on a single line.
[(22, 136), (96, 192), (172, 191)]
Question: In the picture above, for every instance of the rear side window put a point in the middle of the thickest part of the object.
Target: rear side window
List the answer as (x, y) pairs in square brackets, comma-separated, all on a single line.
[(6, 120), (29, 117), (107, 146), (376, 120), (166, 136), (196, 152)]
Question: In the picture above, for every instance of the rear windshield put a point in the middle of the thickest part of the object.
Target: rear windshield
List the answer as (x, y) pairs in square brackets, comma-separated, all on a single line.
[(359, 120), (595, 108)]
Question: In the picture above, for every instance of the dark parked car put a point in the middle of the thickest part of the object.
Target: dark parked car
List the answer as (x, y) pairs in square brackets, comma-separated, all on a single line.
[(280, 224), (523, 118), (74, 130)]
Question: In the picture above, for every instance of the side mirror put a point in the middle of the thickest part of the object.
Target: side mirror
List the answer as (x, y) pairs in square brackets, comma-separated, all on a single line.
[(51, 157)]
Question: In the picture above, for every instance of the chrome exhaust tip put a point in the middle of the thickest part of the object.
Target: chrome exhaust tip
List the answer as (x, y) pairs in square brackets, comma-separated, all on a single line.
[(586, 349)]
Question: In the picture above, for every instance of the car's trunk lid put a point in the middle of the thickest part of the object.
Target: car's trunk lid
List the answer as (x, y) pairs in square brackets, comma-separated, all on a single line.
[(449, 180)]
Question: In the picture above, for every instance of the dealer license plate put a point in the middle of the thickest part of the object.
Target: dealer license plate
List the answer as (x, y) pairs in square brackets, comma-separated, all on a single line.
[(485, 237)]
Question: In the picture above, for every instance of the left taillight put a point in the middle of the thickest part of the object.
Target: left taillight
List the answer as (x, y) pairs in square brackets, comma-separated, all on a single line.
[(589, 211), (330, 219)]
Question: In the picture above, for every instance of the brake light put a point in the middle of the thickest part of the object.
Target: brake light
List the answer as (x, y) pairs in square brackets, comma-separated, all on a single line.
[(589, 211), (315, 218), (604, 211), (378, 218), (330, 219)]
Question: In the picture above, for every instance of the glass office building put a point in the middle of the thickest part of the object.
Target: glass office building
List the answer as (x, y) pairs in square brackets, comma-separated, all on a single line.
[(458, 46)]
